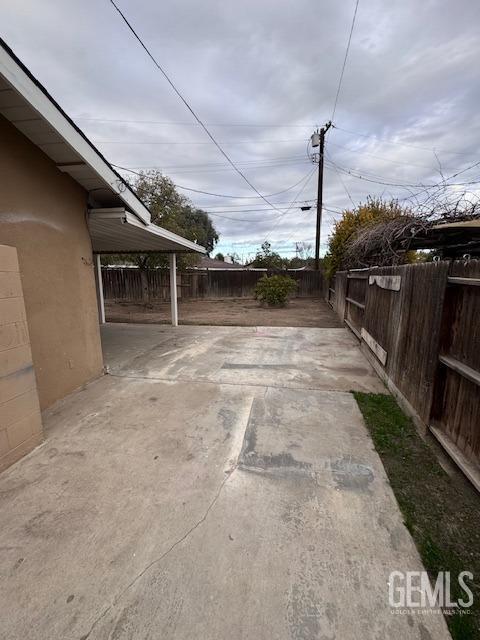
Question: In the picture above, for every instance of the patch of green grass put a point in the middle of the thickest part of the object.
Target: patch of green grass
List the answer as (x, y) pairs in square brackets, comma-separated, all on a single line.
[(441, 512)]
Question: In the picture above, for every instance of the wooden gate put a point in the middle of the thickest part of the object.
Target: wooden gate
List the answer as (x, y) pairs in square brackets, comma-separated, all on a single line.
[(455, 417)]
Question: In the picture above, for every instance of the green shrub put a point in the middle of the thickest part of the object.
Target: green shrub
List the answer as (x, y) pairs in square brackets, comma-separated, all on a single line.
[(274, 290)]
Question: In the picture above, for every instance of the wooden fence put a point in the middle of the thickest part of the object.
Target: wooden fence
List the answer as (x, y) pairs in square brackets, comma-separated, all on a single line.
[(420, 327), (132, 284)]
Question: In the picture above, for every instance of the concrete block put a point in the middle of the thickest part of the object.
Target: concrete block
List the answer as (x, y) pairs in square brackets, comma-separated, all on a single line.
[(15, 454), (13, 360), (18, 408), (13, 335), (10, 285), (20, 418), (8, 258), (4, 446), (17, 383), (24, 429), (12, 310)]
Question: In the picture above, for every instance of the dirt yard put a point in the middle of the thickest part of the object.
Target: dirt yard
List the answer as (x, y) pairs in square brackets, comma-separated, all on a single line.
[(300, 312)]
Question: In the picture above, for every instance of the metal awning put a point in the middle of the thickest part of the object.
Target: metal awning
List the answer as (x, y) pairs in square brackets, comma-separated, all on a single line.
[(115, 230)]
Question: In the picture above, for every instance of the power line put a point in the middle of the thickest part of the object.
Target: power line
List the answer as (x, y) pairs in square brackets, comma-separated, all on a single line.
[(220, 195), (402, 144), (196, 142), (341, 180), (216, 164), (195, 124), (258, 167), (204, 127), (345, 60), (308, 177), (294, 231), (238, 208), (219, 215), (383, 181), (306, 126), (373, 155), (370, 177), (245, 210)]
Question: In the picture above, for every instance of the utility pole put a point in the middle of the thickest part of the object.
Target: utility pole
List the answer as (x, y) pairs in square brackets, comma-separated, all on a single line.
[(318, 140)]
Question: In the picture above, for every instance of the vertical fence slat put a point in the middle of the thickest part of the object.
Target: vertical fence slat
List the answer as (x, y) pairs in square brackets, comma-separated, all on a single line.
[(125, 284), (413, 325)]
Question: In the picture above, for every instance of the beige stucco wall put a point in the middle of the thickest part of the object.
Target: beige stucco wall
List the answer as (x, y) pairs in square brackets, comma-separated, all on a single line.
[(43, 215)]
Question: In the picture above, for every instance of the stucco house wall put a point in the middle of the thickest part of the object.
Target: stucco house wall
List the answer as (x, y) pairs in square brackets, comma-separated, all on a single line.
[(43, 215)]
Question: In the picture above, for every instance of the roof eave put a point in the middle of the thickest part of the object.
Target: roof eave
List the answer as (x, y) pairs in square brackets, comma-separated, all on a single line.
[(28, 87)]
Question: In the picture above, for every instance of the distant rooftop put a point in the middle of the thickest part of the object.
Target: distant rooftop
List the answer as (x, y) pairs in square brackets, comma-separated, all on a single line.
[(209, 263)]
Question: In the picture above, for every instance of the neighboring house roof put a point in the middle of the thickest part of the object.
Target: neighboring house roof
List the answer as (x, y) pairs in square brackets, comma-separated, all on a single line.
[(33, 111), (451, 238), (463, 224), (210, 263)]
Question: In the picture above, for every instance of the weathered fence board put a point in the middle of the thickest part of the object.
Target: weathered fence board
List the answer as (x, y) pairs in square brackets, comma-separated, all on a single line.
[(126, 284), (355, 300), (339, 300), (456, 408), (421, 327), (406, 324)]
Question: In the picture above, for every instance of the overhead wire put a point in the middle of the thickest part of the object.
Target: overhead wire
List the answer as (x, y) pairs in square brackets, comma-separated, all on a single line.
[(371, 177), (280, 217), (383, 158), (221, 195), (341, 180), (402, 144), (196, 142), (238, 209), (211, 170), (345, 61), (217, 164), (187, 105), (195, 124)]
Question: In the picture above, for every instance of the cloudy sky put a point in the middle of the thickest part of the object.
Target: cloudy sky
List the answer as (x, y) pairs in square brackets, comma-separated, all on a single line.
[(263, 74)]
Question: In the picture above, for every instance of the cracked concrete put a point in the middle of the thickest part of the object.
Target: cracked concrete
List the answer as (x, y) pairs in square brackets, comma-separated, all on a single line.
[(175, 500)]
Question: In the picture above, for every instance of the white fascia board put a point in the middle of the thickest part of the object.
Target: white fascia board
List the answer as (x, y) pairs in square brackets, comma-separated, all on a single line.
[(47, 110), (109, 212), (167, 235), (125, 216)]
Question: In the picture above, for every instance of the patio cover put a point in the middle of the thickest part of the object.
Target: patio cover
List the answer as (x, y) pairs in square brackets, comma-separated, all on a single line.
[(116, 230)]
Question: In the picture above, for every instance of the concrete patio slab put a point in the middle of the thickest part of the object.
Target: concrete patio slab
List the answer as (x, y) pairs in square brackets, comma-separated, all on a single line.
[(177, 509), (295, 357)]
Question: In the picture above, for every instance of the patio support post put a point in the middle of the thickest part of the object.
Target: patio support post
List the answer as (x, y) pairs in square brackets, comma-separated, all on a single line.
[(173, 289), (100, 299)]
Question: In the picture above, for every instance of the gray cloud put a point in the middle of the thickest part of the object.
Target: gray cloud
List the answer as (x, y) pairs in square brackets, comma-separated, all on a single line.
[(411, 85)]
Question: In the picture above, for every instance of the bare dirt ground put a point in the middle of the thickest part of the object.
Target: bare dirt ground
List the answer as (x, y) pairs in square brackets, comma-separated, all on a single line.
[(246, 312)]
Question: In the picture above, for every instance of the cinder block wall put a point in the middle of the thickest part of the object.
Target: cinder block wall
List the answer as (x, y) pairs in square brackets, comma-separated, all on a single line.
[(20, 419)]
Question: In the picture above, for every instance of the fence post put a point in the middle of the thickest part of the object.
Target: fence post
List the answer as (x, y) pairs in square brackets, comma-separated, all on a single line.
[(173, 289), (144, 285)]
